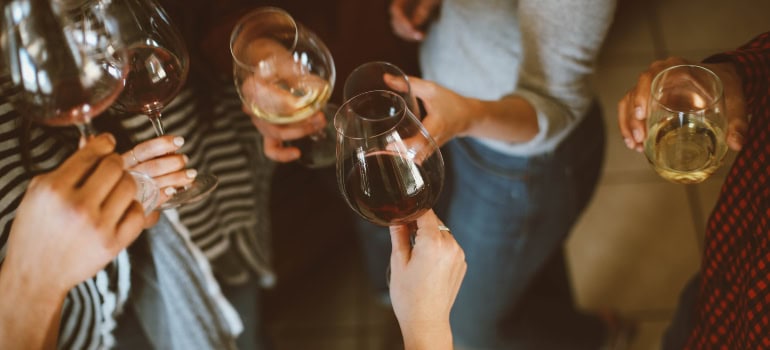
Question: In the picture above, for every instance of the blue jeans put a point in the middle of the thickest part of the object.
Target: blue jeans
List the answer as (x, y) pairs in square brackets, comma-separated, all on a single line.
[(511, 215)]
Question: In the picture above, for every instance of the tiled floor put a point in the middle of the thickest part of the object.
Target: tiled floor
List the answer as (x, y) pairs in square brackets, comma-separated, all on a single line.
[(636, 245)]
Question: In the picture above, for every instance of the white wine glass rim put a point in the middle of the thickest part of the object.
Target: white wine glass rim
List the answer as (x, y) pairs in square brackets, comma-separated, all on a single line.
[(248, 17), (714, 102)]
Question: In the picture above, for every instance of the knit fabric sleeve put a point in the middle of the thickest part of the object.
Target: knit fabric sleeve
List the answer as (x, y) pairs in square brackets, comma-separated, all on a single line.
[(752, 62), (560, 42)]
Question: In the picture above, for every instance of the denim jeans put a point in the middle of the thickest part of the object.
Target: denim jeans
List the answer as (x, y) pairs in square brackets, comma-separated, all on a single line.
[(511, 215)]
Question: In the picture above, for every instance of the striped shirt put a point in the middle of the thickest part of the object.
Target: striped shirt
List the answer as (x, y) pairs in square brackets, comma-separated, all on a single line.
[(230, 226)]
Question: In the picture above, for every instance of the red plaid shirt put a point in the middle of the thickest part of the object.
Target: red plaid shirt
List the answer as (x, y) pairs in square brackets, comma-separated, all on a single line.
[(733, 306)]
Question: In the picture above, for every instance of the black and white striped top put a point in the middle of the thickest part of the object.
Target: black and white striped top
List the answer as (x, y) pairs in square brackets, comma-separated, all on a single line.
[(231, 226)]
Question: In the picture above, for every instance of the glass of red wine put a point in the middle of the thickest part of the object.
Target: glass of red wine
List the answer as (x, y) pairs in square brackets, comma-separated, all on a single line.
[(389, 169), (284, 74), (158, 63), (380, 75), (66, 68)]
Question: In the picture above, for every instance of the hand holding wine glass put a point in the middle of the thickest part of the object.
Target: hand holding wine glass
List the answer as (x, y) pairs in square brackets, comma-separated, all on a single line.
[(424, 281), (66, 68), (686, 123), (158, 63), (388, 168), (380, 75), (284, 75)]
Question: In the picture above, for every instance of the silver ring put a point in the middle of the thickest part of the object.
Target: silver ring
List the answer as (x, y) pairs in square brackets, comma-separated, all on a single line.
[(444, 228), (133, 155)]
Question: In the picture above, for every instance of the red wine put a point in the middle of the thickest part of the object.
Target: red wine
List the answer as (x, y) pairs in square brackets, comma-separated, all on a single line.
[(388, 189), (72, 103), (155, 76)]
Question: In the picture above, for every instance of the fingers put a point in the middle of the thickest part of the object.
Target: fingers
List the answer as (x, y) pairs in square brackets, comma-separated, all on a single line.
[(402, 26), (75, 168), (153, 148), (287, 132), (737, 127), (632, 129), (395, 82), (161, 166), (401, 244), (427, 226), (130, 226), (151, 219), (275, 150), (119, 201), (422, 12), (100, 183)]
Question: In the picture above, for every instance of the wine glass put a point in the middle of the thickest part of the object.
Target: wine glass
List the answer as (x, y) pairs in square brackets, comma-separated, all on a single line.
[(66, 68), (158, 63), (380, 75), (389, 169), (686, 124), (284, 74)]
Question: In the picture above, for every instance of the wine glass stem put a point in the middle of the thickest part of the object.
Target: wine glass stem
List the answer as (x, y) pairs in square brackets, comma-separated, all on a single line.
[(156, 123), (86, 132)]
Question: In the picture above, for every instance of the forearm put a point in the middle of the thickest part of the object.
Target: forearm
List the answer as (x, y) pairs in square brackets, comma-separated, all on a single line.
[(29, 314), (510, 119)]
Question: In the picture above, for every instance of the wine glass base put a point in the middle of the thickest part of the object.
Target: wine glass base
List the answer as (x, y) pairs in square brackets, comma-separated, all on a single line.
[(147, 192), (203, 185), (319, 150)]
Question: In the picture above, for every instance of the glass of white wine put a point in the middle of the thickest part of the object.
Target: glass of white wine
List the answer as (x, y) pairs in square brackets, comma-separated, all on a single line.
[(686, 124), (284, 74)]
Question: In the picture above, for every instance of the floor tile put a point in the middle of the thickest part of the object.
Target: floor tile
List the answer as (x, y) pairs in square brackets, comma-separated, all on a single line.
[(710, 24), (612, 83), (333, 343), (634, 248), (649, 335), (631, 33)]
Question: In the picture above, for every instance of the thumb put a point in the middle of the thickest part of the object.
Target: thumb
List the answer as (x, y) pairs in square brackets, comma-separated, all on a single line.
[(402, 247)]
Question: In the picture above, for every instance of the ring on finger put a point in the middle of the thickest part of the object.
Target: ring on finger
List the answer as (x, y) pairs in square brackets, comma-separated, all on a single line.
[(133, 156)]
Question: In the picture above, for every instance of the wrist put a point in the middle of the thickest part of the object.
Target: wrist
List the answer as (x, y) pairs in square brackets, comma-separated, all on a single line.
[(427, 336), (29, 286)]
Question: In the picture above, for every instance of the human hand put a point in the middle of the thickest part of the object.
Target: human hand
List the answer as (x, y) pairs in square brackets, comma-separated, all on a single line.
[(408, 17), (158, 159), (447, 114), (424, 281), (74, 220), (632, 108), (274, 135)]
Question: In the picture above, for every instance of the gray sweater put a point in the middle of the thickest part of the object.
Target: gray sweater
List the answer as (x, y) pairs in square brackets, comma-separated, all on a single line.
[(541, 50)]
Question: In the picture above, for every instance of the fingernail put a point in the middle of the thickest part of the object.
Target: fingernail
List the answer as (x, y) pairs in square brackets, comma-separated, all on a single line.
[(638, 113), (185, 158), (639, 149), (629, 143), (111, 138), (169, 191), (191, 173), (638, 135), (179, 141)]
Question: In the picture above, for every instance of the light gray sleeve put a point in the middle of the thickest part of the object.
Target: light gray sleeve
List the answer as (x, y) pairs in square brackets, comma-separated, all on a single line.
[(560, 40)]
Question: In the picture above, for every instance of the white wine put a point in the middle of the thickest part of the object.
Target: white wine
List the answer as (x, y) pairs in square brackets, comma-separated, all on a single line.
[(685, 148), (284, 102)]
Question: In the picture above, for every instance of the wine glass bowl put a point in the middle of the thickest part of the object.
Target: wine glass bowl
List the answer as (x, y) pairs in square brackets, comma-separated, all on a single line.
[(380, 75), (158, 65), (389, 169), (66, 67), (686, 124), (283, 72)]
